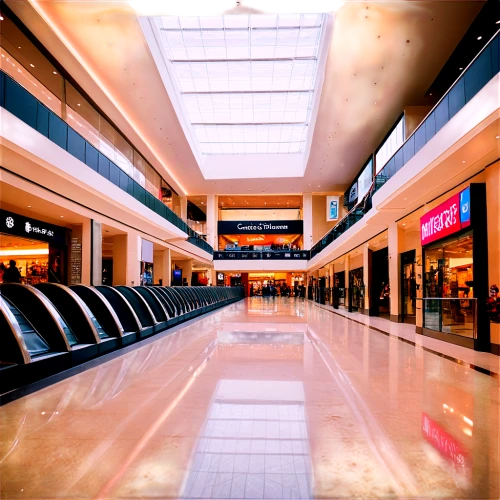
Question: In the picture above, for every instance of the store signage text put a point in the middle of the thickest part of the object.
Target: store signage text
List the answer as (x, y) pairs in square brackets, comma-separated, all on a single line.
[(447, 218), (19, 225), (260, 227)]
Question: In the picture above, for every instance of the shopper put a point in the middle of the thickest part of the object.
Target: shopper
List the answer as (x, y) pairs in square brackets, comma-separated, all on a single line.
[(12, 274)]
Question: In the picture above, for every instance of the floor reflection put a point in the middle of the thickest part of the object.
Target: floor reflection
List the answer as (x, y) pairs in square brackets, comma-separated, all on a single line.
[(300, 403)]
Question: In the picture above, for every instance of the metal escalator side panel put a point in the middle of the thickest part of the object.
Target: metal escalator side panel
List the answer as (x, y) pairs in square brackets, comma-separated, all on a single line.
[(176, 293), (101, 308), (138, 304), (14, 345), (179, 304), (126, 313), (40, 312), (169, 303), (155, 304), (74, 312)]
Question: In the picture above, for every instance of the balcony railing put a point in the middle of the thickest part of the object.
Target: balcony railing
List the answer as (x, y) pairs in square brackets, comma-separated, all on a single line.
[(281, 255), (22, 104), (475, 77)]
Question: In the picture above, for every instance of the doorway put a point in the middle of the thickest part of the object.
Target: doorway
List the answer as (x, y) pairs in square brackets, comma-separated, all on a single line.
[(408, 287)]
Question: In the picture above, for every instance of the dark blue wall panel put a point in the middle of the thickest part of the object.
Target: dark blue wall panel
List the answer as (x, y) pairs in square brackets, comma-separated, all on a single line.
[(42, 120), (103, 166), (441, 114), (20, 102), (76, 145), (58, 131), (91, 156), (456, 98)]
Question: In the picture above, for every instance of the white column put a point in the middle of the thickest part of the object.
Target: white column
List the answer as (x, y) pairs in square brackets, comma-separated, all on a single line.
[(212, 219), (86, 252), (96, 256), (126, 259), (307, 216), (162, 269), (367, 276), (394, 270)]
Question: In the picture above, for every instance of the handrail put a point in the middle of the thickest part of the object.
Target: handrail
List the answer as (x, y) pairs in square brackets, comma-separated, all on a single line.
[(422, 123), (34, 113)]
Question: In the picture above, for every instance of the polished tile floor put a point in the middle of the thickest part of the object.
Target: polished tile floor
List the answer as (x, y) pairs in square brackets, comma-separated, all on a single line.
[(263, 399)]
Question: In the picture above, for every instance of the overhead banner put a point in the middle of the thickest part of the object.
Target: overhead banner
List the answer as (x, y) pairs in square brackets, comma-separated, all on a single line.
[(332, 208), (261, 227)]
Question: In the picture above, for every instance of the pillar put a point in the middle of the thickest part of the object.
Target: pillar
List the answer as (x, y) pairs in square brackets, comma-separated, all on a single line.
[(183, 201), (367, 276), (394, 271), (212, 219), (307, 217), (162, 267), (96, 253), (86, 251), (127, 259), (419, 275)]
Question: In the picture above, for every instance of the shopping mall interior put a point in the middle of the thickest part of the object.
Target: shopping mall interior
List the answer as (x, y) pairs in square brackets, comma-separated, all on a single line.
[(250, 249)]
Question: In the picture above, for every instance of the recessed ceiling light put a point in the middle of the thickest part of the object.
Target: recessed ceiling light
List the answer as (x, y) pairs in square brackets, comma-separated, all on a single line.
[(55, 72), (19, 47), (404, 223), (78, 104), (497, 137), (62, 215), (32, 65), (498, 22), (1, 18), (460, 69), (479, 37), (29, 206)]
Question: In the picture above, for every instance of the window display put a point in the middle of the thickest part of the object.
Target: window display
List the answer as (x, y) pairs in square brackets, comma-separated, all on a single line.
[(449, 274)]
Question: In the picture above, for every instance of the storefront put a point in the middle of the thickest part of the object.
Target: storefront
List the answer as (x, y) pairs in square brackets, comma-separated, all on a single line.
[(408, 287), (39, 249), (380, 304), (255, 236), (356, 290), (455, 265)]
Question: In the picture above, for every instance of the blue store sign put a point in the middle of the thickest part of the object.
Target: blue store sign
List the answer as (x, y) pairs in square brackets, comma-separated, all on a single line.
[(465, 208)]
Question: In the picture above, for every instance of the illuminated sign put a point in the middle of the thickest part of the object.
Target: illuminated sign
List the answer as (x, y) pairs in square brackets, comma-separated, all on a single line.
[(18, 225), (447, 218), (261, 227)]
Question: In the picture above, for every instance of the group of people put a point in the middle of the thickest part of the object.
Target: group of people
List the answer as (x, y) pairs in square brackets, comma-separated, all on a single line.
[(10, 274), (281, 290)]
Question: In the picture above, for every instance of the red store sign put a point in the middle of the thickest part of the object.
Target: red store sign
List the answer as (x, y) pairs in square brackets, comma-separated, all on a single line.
[(441, 221)]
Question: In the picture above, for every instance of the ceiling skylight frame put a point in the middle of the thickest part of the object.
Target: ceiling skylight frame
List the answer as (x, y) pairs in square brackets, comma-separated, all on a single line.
[(225, 105)]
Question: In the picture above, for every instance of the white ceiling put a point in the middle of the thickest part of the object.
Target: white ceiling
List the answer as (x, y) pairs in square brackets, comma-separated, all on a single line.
[(382, 57), (245, 83)]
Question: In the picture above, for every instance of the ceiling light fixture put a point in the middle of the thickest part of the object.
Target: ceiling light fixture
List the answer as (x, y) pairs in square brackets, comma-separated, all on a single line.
[(1, 18), (32, 65), (463, 161), (29, 206), (460, 69), (54, 72), (62, 215), (479, 37), (40, 9)]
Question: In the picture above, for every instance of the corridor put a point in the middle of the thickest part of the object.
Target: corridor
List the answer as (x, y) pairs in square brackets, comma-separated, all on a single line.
[(266, 398)]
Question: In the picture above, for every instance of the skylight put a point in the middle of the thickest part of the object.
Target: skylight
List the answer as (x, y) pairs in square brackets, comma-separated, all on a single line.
[(245, 83)]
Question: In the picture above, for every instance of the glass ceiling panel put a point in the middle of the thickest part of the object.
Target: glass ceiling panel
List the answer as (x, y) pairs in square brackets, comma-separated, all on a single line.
[(246, 82)]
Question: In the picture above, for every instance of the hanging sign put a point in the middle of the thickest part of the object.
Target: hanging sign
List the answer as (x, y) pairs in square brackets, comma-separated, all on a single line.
[(261, 227), (332, 208)]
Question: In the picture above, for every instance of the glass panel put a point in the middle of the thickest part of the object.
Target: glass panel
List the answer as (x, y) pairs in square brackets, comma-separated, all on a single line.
[(449, 274), (390, 146), (140, 169)]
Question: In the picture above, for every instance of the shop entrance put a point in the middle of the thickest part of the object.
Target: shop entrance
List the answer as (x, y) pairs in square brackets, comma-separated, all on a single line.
[(449, 278), (408, 287), (380, 296), (356, 290), (37, 261)]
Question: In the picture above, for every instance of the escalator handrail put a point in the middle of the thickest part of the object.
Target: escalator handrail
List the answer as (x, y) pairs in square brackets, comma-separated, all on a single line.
[(127, 304), (155, 299), (141, 299)]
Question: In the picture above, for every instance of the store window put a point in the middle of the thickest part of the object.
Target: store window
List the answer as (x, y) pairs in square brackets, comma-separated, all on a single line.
[(449, 274)]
